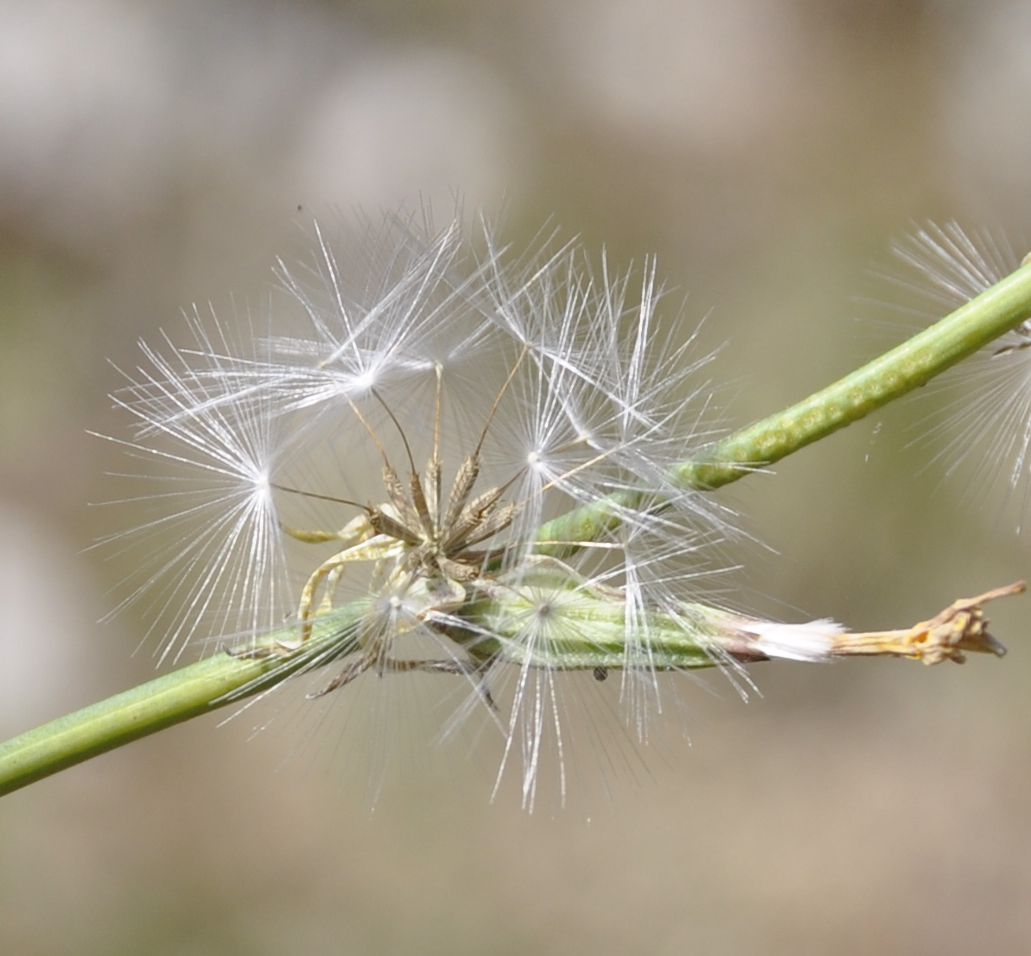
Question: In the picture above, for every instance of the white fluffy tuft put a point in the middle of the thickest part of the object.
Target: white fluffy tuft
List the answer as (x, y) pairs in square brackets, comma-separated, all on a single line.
[(812, 641)]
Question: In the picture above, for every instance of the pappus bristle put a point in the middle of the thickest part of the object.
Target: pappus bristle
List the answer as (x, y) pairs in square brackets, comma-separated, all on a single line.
[(207, 554), (371, 471)]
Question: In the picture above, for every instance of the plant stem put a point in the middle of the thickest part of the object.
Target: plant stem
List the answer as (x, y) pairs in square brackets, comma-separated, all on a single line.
[(913, 363), (206, 686), (146, 709), (960, 334), (188, 692)]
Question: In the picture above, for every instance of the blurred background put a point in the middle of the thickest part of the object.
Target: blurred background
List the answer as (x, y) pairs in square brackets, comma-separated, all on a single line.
[(156, 155)]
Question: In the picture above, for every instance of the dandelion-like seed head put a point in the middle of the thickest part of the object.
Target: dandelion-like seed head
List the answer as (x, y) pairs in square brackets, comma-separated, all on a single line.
[(394, 475)]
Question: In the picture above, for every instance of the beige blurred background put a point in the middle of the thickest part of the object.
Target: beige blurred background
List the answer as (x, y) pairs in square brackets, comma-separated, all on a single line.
[(155, 155)]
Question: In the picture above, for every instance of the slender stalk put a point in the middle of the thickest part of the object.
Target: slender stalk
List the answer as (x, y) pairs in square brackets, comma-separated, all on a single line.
[(203, 687), (188, 692), (915, 362), (146, 709)]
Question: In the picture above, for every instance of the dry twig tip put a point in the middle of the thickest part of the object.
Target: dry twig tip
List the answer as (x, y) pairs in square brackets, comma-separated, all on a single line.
[(961, 627)]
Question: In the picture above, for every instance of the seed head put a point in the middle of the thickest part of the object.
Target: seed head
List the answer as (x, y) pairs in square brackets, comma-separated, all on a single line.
[(393, 448)]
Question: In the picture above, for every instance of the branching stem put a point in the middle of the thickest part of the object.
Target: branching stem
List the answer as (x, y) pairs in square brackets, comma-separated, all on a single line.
[(224, 678)]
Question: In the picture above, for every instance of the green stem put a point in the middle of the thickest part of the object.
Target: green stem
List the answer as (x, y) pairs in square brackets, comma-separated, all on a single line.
[(913, 363), (146, 709), (188, 692), (960, 334), (203, 687)]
